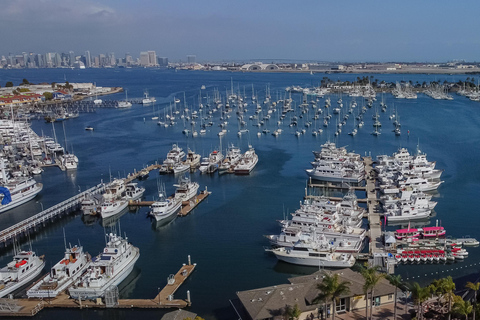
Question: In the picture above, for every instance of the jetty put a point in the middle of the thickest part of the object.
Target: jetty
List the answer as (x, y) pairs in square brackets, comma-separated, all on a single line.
[(187, 206), (33, 223), (164, 299), (136, 174)]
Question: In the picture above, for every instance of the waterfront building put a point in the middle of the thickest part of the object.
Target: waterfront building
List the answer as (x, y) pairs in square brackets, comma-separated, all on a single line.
[(191, 59), (270, 302), (163, 61), (144, 59), (88, 59), (152, 58)]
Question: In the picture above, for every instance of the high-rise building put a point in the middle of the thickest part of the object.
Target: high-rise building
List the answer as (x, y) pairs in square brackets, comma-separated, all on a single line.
[(71, 56), (152, 58), (111, 59), (144, 59), (191, 59), (163, 61), (88, 59)]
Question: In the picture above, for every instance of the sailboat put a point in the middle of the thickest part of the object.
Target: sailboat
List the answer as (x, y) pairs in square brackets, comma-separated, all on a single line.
[(126, 103), (97, 101)]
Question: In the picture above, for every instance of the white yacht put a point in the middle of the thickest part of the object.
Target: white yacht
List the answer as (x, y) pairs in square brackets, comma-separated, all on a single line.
[(26, 265), (186, 190), (247, 163), (311, 257), (193, 159), (133, 191), (233, 156), (165, 208), (107, 269), (62, 274), (16, 191), (109, 208)]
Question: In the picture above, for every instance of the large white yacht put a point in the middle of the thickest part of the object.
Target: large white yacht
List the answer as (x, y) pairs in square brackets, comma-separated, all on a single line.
[(107, 269), (26, 265), (62, 274), (186, 189), (164, 208), (312, 257), (16, 191), (247, 163)]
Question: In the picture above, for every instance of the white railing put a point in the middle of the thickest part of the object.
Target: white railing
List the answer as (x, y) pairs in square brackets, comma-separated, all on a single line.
[(48, 213)]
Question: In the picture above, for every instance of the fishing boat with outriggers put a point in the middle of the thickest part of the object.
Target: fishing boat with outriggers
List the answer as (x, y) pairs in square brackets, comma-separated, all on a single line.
[(62, 274), (107, 269)]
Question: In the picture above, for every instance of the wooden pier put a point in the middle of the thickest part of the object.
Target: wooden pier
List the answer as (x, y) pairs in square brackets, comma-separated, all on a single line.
[(136, 174), (164, 299), (40, 219), (187, 206)]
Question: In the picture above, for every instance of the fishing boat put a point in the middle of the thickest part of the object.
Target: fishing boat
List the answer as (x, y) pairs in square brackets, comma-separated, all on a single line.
[(24, 267), (165, 208), (186, 190), (109, 208), (108, 269), (62, 274), (133, 191), (247, 163)]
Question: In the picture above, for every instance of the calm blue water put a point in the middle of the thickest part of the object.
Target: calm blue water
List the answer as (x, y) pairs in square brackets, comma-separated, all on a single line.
[(224, 235)]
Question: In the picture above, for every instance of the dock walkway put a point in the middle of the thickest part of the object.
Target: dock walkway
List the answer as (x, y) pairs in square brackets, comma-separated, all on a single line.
[(376, 243), (39, 219), (164, 299), (135, 175)]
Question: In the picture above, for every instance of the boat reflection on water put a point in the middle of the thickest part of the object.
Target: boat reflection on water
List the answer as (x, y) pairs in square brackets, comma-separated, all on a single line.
[(111, 221), (89, 220), (126, 288), (156, 225)]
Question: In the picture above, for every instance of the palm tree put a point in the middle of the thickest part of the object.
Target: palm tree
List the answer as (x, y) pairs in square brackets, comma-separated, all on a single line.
[(419, 295), (475, 287), (331, 287), (396, 281), (462, 307), (445, 288), (371, 277)]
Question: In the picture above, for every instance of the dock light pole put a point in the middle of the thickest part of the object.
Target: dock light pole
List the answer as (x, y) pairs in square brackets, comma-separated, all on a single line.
[(40, 204), (158, 295)]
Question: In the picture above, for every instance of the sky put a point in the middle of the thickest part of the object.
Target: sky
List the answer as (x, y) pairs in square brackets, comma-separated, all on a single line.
[(226, 30)]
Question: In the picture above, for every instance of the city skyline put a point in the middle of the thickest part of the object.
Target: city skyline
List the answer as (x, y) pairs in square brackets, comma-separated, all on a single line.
[(217, 30)]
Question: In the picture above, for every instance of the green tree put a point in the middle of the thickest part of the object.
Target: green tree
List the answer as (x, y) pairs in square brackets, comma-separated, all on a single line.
[(396, 281), (462, 307), (48, 95), (475, 287), (332, 288), (445, 288), (9, 84), (25, 81), (293, 313), (420, 295), (371, 277), (53, 85)]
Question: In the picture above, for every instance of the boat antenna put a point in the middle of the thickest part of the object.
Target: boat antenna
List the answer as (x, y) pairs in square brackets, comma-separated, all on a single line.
[(119, 229), (105, 233), (64, 239)]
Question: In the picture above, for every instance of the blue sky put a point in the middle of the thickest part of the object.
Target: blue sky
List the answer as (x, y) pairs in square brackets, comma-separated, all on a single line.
[(249, 29)]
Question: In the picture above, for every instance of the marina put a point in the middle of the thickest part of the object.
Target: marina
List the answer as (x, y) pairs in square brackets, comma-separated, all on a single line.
[(279, 182)]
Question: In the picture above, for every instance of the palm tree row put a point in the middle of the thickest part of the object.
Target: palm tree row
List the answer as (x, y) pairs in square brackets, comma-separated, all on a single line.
[(331, 289)]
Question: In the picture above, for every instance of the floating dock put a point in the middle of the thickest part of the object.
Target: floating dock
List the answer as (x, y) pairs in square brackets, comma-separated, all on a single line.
[(136, 174), (164, 299), (187, 206)]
